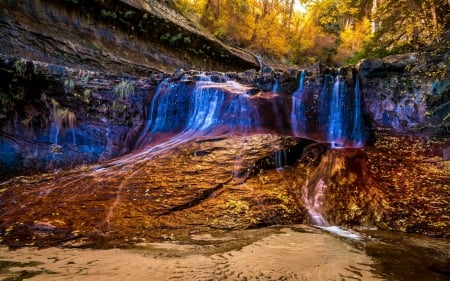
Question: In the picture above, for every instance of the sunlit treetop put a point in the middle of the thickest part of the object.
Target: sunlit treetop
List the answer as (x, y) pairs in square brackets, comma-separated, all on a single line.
[(332, 31)]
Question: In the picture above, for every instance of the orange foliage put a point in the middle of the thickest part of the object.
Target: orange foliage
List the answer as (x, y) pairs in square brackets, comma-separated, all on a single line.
[(331, 31)]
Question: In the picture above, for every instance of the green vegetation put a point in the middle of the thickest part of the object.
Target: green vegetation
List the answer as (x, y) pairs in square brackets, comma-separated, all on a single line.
[(20, 68), (63, 117), (118, 107), (175, 38), (5, 103), (124, 89), (69, 85), (128, 14), (87, 94), (108, 14)]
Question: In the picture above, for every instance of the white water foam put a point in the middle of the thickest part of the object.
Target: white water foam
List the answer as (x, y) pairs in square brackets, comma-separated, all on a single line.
[(340, 232)]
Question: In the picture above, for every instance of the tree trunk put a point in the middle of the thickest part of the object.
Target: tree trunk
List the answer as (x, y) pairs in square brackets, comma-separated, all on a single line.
[(373, 21), (435, 20), (291, 11)]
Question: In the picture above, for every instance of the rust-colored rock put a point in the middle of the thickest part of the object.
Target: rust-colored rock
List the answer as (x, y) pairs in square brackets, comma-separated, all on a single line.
[(161, 190)]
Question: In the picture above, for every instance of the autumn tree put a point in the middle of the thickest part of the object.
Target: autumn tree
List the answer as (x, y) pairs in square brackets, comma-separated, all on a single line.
[(332, 31), (409, 24)]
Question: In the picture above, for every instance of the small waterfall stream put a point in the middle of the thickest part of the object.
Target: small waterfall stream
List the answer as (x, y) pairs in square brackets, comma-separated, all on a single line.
[(298, 118), (314, 199), (358, 122), (335, 119), (314, 195)]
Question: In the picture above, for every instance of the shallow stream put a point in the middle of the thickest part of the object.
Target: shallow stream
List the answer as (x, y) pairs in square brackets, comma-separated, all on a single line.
[(296, 252)]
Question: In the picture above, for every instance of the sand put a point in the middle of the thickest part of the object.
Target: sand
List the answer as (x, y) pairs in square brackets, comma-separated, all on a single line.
[(287, 254)]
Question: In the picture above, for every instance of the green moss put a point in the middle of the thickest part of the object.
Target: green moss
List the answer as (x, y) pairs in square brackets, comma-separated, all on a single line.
[(129, 14), (175, 38), (5, 103), (108, 14), (87, 94), (164, 37)]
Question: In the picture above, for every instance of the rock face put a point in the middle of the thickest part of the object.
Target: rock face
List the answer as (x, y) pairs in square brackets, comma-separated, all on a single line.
[(217, 183), (123, 37), (54, 117), (406, 92)]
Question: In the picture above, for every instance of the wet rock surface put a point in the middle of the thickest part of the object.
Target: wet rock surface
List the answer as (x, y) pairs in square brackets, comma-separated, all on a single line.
[(408, 93), (159, 191), (213, 185), (56, 117), (401, 184)]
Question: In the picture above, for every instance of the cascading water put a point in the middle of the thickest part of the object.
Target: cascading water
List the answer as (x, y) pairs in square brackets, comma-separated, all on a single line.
[(275, 87), (246, 116), (199, 106), (314, 198), (281, 159), (335, 120), (204, 108), (54, 133), (358, 122), (313, 195), (330, 112), (298, 119), (190, 109)]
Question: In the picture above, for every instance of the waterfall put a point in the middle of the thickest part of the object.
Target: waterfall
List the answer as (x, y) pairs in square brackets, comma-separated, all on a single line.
[(74, 143), (358, 122), (298, 119), (335, 120), (281, 159), (205, 106), (275, 86), (54, 133), (153, 122), (242, 114), (314, 198), (330, 113), (191, 109)]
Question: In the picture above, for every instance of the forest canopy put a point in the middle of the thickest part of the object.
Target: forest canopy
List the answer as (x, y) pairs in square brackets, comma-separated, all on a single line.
[(335, 32)]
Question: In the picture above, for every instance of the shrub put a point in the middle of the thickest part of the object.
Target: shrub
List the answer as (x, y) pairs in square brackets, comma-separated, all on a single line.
[(69, 85), (20, 68), (124, 89)]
